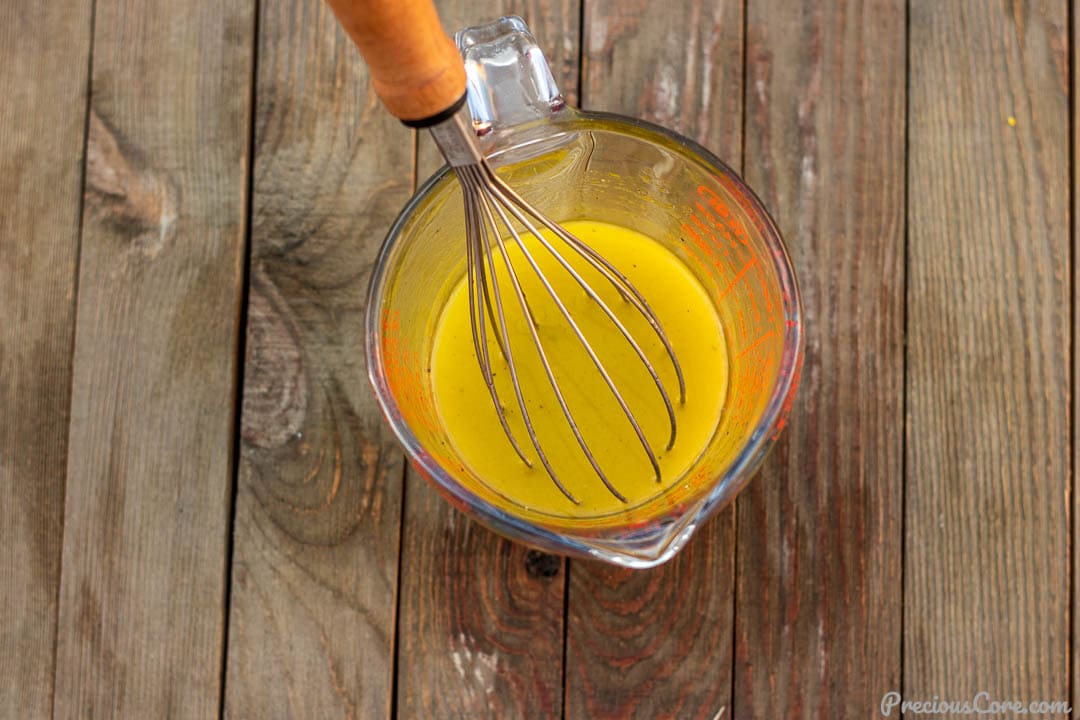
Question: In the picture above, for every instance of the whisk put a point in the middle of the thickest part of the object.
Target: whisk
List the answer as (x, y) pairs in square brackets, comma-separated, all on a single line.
[(423, 83)]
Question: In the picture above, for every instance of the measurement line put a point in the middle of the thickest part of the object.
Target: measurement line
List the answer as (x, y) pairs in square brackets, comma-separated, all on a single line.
[(739, 276), (769, 309), (705, 247), (754, 344)]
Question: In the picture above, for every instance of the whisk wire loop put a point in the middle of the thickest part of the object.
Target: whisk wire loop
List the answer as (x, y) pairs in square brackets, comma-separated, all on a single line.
[(486, 205), (479, 301), (490, 205), (515, 204)]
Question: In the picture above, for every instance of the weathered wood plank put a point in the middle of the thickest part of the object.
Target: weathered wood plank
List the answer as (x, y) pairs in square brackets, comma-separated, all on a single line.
[(657, 643), (149, 464), (482, 618), (44, 50), (678, 64), (1074, 640), (314, 577), (653, 643), (986, 548), (818, 606)]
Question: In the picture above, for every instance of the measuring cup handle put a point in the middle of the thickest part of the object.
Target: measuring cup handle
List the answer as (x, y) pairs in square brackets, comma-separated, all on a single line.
[(415, 68), (510, 82)]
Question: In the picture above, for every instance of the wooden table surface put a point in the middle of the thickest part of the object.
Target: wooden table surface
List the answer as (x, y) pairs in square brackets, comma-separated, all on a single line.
[(205, 516)]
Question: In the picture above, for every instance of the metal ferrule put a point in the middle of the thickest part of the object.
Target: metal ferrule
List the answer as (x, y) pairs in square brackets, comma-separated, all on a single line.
[(457, 140)]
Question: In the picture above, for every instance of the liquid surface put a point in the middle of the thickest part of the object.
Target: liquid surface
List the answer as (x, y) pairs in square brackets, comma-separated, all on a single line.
[(465, 407)]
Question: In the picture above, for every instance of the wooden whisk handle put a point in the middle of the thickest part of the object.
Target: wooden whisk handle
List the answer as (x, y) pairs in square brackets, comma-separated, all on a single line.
[(416, 69)]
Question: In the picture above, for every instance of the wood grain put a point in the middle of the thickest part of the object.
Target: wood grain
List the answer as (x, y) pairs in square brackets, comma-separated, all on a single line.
[(657, 643), (314, 573), (654, 643), (986, 551), (818, 607), (149, 463), (481, 626), (44, 50)]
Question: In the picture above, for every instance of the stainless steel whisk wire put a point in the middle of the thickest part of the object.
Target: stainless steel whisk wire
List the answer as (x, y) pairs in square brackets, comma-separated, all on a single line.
[(489, 200)]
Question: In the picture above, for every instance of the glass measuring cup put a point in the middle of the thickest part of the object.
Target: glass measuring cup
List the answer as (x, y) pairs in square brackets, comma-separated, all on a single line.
[(596, 166)]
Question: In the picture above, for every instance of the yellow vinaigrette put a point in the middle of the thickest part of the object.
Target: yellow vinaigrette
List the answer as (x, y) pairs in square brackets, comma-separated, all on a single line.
[(692, 326)]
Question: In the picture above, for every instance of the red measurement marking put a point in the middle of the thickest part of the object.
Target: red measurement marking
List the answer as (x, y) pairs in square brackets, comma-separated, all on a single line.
[(699, 262), (404, 376), (749, 381), (780, 425), (741, 321), (738, 193), (716, 223), (708, 249), (699, 242), (756, 343), (693, 235), (711, 218), (796, 375), (767, 296), (751, 298), (738, 276), (701, 226), (713, 230), (724, 212)]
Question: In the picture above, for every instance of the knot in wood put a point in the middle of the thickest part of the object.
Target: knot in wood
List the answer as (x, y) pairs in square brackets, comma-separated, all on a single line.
[(541, 565)]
